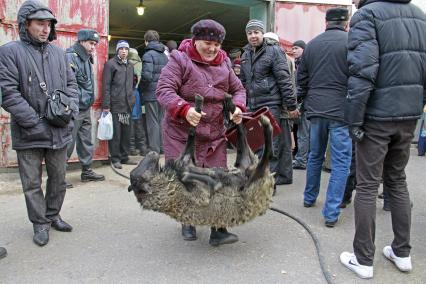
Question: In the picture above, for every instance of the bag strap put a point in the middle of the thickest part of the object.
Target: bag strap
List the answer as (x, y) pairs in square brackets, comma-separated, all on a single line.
[(40, 78)]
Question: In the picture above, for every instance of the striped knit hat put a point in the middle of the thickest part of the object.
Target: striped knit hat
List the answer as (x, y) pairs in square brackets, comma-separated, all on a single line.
[(255, 25)]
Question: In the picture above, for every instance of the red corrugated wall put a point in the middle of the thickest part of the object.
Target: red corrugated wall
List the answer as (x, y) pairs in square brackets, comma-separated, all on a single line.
[(72, 15)]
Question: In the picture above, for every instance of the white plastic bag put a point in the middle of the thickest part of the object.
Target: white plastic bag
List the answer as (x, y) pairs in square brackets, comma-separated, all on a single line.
[(105, 129)]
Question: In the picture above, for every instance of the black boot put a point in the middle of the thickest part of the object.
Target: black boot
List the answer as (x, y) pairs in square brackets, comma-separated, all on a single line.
[(189, 233), (41, 236), (3, 252), (89, 175), (221, 236)]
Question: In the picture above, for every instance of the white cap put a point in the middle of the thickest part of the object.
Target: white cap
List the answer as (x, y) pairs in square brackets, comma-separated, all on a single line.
[(273, 36)]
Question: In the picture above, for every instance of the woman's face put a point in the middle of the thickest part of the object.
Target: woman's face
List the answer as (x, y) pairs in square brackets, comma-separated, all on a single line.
[(207, 49)]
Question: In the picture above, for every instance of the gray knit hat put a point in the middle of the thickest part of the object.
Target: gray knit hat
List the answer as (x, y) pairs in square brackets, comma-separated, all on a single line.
[(255, 25)]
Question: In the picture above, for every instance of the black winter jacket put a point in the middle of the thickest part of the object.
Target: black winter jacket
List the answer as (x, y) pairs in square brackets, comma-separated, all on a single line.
[(322, 75), (153, 60), (266, 77), (117, 86), (22, 96), (387, 62), (81, 63)]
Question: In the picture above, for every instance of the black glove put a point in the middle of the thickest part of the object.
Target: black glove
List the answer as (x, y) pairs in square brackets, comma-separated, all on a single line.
[(356, 133)]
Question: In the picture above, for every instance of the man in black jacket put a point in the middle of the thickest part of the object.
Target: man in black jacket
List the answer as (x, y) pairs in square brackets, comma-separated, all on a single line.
[(386, 94), (322, 80), (33, 138), (80, 59), (153, 60), (118, 98), (265, 75)]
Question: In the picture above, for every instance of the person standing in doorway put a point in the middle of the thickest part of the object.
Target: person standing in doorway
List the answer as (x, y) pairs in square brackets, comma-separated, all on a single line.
[(80, 59), (153, 61), (118, 99)]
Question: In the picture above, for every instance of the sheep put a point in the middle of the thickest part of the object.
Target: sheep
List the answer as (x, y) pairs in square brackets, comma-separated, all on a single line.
[(215, 197)]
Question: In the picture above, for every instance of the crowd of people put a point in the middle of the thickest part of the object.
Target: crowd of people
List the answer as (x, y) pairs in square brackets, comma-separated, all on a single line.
[(356, 89)]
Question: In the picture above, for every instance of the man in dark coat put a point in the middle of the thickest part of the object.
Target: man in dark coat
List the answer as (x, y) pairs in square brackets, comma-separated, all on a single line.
[(386, 95), (118, 98), (80, 59), (322, 79), (3, 251), (153, 60), (33, 138), (266, 77), (303, 124)]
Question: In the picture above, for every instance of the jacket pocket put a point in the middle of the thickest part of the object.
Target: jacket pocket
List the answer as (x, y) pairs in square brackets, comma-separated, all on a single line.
[(39, 132)]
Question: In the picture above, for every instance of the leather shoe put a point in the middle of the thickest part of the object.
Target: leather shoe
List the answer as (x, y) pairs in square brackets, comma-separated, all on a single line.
[(60, 225), (89, 175), (129, 162), (221, 236), (331, 224), (117, 165), (307, 205), (189, 233), (69, 185), (41, 237), (3, 252)]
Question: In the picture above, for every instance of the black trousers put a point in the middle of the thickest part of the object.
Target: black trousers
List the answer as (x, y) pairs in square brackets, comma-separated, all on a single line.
[(42, 209), (137, 135), (120, 143), (384, 149)]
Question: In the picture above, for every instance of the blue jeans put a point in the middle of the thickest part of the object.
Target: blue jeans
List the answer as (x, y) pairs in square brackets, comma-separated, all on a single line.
[(341, 153)]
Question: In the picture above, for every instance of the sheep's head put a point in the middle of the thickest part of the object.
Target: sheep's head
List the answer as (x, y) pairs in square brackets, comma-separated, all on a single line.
[(141, 176)]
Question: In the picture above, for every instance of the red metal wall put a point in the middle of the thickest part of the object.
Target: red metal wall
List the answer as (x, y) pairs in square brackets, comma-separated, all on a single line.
[(294, 21), (72, 15)]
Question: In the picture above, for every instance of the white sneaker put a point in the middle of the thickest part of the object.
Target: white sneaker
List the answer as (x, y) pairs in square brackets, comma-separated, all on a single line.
[(349, 260), (403, 263)]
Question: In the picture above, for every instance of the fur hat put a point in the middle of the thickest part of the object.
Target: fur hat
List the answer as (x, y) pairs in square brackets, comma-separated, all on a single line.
[(208, 30), (255, 25), (300, 43), (122, 43), (87, 34), (337, 14)]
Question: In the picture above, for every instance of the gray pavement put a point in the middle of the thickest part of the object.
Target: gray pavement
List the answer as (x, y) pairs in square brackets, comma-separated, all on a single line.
[(114, 241)]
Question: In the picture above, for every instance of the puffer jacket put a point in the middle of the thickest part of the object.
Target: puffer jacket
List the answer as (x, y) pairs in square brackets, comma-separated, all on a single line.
[(81, 63), (22, 96), (184, 76), (266, 77), (153, 60), (117, 86), (387, 59)]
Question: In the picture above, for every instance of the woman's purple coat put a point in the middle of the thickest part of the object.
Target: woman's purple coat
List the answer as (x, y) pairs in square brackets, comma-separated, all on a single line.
[(180, 80)]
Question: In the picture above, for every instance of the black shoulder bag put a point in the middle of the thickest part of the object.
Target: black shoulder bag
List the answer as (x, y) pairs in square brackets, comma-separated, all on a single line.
[(58, 111)]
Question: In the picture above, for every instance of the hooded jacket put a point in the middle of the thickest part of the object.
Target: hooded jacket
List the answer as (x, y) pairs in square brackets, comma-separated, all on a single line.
[(22, 96), (153, 60), (387, 59), (185, 75)]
